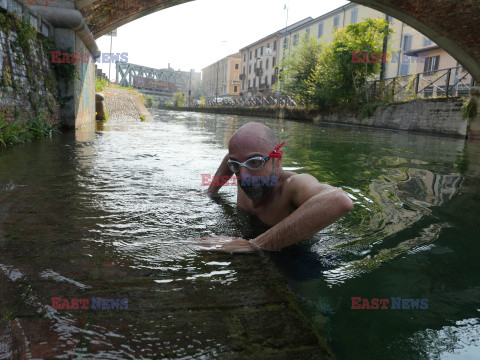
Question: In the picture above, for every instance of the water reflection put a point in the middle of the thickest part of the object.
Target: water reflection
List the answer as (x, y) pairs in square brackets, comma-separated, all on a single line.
[(108, 214)]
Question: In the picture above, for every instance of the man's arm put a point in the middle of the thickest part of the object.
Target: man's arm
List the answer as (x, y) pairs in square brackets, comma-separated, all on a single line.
[(318, 205), (223, 174)]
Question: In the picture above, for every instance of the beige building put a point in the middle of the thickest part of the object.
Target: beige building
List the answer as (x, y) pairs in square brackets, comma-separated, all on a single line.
[(259, 61), (222, 78), (436, 69), (402, 41)]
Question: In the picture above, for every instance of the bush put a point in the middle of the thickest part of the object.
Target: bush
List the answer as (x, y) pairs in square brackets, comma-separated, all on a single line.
[(469, 109), (178, 99)]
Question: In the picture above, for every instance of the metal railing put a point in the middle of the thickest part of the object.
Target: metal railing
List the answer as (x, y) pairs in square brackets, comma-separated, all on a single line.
[(450, 82), (255, 101)]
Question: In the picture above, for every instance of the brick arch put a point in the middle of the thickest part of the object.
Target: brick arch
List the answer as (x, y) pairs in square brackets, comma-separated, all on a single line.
[(454, 25)]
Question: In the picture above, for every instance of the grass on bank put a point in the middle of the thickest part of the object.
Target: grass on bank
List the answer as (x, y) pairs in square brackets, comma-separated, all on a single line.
[(101, 84), (15, 133)]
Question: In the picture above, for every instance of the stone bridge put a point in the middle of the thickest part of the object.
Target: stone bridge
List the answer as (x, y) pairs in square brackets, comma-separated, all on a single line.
[(452, 24)]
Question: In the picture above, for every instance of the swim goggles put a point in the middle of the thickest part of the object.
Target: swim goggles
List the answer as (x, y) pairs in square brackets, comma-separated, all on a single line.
[(255, 163)]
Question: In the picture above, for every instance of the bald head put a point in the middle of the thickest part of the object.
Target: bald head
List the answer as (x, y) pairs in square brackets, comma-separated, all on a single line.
[(253, 138)]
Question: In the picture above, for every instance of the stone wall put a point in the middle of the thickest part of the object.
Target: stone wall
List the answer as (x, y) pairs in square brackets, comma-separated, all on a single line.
[(440, 116), (28, 87)]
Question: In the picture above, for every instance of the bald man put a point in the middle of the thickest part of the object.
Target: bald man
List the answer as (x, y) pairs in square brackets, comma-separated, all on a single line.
[(295, 206)]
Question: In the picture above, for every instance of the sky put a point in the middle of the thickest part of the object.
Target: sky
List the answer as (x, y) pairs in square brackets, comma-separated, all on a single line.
[(198, 33)]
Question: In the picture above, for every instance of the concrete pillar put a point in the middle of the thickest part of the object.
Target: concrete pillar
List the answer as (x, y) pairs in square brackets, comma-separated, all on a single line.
[(474, 124), (72, 35)]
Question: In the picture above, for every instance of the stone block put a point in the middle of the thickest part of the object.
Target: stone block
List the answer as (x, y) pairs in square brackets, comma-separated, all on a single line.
[(15, 7)]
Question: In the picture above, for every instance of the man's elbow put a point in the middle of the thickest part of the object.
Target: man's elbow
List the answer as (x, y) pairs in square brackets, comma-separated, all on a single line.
[(343, 202)]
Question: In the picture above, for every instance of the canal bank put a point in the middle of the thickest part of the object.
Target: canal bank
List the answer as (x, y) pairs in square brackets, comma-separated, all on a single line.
[(124, 103), (439, 116)]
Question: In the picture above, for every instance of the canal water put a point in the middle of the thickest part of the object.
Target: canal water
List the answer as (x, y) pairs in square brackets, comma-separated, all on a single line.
[(100, 205)]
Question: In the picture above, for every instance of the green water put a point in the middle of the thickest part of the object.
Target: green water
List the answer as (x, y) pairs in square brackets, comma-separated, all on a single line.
[(106, 204)]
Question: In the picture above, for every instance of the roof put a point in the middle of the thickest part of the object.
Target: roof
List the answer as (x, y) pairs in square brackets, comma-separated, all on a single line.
[(421, 50), (299, 23)]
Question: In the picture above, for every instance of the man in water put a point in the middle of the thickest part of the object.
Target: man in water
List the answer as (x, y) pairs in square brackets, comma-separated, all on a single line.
[(295, 206)]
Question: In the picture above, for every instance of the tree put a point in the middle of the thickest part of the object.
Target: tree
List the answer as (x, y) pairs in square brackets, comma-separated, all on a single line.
[(334, 75), (347, 63), (178, 99), (299, 65)]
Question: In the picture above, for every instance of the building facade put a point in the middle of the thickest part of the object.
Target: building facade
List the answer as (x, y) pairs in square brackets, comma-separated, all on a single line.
[(401, 42), (259, 63), (222, 78)]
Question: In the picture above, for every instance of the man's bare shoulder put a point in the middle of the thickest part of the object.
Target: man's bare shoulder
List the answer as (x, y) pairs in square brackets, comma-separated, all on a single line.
[(301, 187), (295, 180)]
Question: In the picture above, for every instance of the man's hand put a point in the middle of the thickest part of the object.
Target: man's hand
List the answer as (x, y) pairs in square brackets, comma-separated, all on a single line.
[(224, 244)]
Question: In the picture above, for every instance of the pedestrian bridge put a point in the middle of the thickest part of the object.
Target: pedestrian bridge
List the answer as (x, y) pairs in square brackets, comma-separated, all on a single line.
[(454, 25)]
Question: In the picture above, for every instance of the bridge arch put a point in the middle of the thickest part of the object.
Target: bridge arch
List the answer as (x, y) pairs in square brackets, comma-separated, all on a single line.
[(454, 25)]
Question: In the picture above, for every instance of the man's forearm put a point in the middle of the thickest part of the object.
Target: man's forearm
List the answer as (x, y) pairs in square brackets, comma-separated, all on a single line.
[(223, 174), (312, 216)]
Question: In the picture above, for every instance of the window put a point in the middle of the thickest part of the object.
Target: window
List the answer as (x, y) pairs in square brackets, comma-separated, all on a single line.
[(273, 62), (431, 64), (427, 41), (336, 22), (285, 43), (243, 70), (249, 69), (245, 57), (275, 45), (235, 88), (266, 64), (404, 68), (295, 39), (353, 15), (261, 64), (248, 82), (308, 31), (266, 80), (320, 29), (256, 52), (407, 42), (236, 66), (250, 55), (273, 79), (261, 51), (254, 82)]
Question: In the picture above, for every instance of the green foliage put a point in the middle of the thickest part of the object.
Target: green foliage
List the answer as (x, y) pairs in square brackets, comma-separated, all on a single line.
[(19, 133), (150, 101), (65, 71), (101, 84), (25, 33), (203, 102), (469, 109), (325, 75), (299, 67), (368, 109), (178, 99)]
